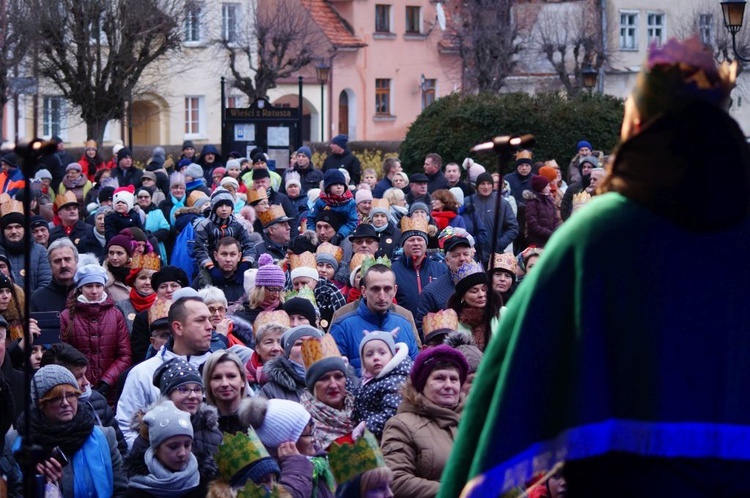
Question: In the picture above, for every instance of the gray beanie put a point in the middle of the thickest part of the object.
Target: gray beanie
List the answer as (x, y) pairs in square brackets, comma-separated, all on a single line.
[(48, 377), (285, 420), (90, 274), (292, 335), (378, 335), (220, 197), (174, 373), (195, 171), (325, 257), (165, 421), (417, 206), (322, 367)]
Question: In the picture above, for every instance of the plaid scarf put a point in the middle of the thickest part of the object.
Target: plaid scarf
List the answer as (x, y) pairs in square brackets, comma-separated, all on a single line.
[(330, 423), (336, 200)]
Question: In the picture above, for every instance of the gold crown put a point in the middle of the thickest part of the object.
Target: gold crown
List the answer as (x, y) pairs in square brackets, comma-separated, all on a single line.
[(523, 154), (64, 199), (256, 195), (237, 451), (369, 263), (193, 197), (413, 224), (505, 261), (273, 213), (265, 317), (328, 248), (305, 293), (10, 207), (148, 261), (318, 348), (443, 319), (306, 259), (349, 460), (552, 164), (160, 309), (358, 259), (380, 203)]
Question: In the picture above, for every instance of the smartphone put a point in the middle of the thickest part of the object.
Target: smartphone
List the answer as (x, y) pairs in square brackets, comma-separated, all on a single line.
[(58, 455)]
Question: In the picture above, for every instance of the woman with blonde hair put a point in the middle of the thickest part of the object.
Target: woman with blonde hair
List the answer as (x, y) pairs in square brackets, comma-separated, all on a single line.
[(225, 379), (397, 201)]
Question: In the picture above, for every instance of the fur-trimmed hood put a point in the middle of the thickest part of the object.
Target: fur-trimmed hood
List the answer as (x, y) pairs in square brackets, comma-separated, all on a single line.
[(188, 210), (281, 371)]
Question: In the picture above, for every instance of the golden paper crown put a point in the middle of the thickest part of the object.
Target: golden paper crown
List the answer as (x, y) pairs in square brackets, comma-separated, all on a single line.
[(10, 207), (160, 309), (328, 248), (306, 259), (64, 199), (318, 348), (380, 203), (273, 213), (523, 154), (256, 195), (265, 317), (552, 164), (148, 261), (443, 319), (369, 263), (358, 259), (305, 293), (416, 224), (505, 261), (237, 451), (349, 460), (193, 197)]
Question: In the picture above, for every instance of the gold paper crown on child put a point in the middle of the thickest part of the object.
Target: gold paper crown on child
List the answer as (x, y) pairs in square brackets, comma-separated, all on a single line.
[(160, 309), (265, 317), (328, 248), (443, 319), (148, 261), (318, 348), (358, 259), (380, 203), (254, 195), (11, 206), (349, 460), (306, 259), (523, 154), (370, 262), (237, 451), (305, 293), (409, 224), (274, 213), (64, 199)]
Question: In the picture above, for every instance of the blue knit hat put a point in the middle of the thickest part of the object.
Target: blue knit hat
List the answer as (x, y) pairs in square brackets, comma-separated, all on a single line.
[(583, 143), (333, 177), (340, 140), (305, 150)]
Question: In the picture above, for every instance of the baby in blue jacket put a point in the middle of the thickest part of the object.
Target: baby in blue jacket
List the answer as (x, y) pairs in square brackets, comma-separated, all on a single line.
[(337, 197)]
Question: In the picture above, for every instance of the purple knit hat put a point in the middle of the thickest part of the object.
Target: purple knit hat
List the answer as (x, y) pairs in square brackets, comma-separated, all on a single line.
[(269, 274), (428, 358)]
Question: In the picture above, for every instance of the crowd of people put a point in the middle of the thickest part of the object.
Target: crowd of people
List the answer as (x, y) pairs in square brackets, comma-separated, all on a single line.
[(201, 310)]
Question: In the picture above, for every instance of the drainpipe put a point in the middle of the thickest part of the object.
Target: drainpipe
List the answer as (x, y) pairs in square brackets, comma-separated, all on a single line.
[(600, 79)]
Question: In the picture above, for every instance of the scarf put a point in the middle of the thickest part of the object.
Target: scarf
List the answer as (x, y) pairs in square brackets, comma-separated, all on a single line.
[(176, 204), (336, 200), (82, 299), (93, 475), (330, 423), (443, 218), (120, 273), (473, 318), (164, 483), (13, 248), (381, 229), (270, 304), (353, 295), (74, 184), (299, 370), (220, 228), (100, 238), (69, 436), (141, 302)]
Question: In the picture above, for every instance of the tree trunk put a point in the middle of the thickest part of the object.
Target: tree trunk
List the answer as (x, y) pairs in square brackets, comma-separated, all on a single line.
[(95, 128)]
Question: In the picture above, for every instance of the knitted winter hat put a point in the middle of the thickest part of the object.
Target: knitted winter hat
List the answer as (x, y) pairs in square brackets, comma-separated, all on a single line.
[(121, 241), (73, 166), (269, 274), (428, 358), (90, 274), (5, 282), (165, 421), (320, 368), (228, 180), (219, 171), (292, 335), (123, 153), (305, 150), (333, 218), (260, 173), (538, 182), (465, 343), (363, 195), (333, 177), (293, 178), (175, 373), (583, 143), (188, 144), (276, 420), (48, 377), (458, 194), (378, 335), (126, 195), (38, 221), (221, 197), (233, 164), (169, 274), (418, 206), (592, 160), (340, 140), (194, 171), (185, 292), (304, 271), (176, 178), (106, 194), (42, 174)]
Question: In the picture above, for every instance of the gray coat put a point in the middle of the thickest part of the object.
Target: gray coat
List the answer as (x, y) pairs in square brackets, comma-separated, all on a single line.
[(41, 273)]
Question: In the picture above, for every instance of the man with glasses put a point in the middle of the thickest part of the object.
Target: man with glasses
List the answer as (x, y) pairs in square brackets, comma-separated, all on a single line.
[(190, 325)]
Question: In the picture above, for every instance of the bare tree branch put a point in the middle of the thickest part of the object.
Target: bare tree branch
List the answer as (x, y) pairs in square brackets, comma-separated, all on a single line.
[(14, 43), (705, 20)]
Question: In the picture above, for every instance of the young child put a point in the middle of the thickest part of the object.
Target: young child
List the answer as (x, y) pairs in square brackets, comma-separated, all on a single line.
[(328, 258), (337, 197), (125, 215), (370, 177), (385, 367), (219, 224)]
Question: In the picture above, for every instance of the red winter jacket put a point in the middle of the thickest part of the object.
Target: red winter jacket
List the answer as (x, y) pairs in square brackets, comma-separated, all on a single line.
[(99, 332)]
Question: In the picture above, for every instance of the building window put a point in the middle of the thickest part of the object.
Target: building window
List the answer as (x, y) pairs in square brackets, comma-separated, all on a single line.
[(193, 24), (628, 31), (52, 123), (193, 113), (428, 92), (382, 18), (234, 102), (383, 97), (413, 20), (655, 28), (230, 22), (706, 28)]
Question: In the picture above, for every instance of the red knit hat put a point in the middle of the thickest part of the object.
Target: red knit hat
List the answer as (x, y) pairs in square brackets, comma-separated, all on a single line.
[(428, 358), (538, 182)]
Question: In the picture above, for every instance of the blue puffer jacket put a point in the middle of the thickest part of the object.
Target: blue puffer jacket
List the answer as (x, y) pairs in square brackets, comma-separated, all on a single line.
[(347, 331), (411, 281), (347, 210)]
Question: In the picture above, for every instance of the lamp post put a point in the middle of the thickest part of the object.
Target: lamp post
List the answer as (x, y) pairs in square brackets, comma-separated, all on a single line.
[(734, 13), (589, 75), (322, 70)]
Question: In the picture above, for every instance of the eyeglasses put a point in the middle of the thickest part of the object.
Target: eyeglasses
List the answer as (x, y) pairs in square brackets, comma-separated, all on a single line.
[(274, 289), (68, 397), (144, 197), (216, 309), (186, 391)]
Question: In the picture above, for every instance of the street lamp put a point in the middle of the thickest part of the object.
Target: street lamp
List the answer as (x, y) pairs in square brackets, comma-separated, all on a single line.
[(734, 13), (322, 70), (589, 75)]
